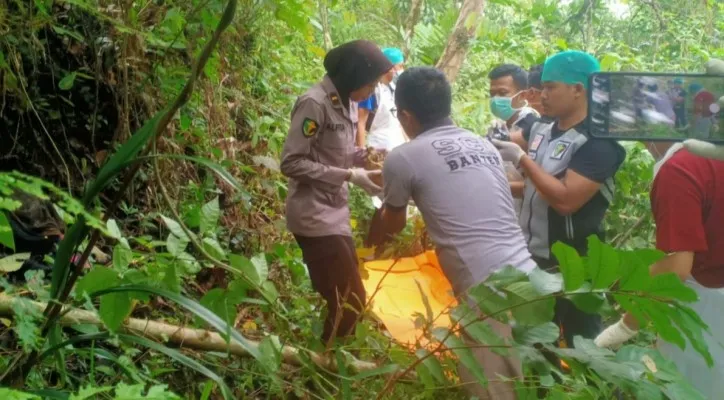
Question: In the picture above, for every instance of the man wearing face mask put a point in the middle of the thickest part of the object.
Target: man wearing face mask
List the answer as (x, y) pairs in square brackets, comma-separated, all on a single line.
[(687, 202), (508, 102), (569, 177), (508, 91)]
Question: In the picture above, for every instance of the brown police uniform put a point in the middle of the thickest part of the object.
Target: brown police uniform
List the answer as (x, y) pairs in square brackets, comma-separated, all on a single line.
[(318, 152)]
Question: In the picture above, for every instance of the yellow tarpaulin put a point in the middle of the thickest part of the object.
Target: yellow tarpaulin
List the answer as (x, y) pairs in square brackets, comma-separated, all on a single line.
[(399, 297)]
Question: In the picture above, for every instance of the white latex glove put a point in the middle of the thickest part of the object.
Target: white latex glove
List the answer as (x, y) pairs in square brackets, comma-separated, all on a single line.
[(615, 335), (362, 178), (509, 151), (699, 147)]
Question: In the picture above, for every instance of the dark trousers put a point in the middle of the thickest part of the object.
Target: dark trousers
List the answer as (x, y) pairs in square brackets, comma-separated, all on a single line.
[(333, 269), (572, 321)]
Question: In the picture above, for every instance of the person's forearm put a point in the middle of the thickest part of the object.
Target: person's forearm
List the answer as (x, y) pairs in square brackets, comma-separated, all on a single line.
[(393, 222), (314, 173), (517, 188), (547, 185), (679, 263), (361, 138)]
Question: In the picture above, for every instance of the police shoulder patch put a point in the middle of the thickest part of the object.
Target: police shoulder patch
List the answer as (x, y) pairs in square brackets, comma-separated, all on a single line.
[(310, 127)]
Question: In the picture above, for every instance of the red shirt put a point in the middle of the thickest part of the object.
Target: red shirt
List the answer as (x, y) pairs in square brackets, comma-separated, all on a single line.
[(705, 99), (687, 201)]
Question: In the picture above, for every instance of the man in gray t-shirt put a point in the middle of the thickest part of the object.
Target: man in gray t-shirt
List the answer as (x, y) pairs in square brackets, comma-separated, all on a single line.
[(458, 182)]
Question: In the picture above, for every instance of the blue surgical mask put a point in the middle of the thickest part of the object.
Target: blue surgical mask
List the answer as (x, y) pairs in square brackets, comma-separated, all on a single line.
[(502, 107)]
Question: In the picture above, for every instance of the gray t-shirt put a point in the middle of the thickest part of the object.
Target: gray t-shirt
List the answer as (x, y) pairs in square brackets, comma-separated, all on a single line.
[(458, 182)]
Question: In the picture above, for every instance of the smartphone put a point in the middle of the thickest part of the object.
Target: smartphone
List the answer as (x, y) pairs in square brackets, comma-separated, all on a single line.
[(656, 107)]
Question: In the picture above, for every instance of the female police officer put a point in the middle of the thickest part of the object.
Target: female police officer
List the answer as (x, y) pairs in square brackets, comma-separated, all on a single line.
[(319, 155)]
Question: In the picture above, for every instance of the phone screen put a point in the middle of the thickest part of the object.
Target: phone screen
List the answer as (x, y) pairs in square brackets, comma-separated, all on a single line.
[(671, 107)]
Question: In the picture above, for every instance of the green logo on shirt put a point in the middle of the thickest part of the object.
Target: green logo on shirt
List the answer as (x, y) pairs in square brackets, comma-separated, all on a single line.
[(559, 150), (310, 127)]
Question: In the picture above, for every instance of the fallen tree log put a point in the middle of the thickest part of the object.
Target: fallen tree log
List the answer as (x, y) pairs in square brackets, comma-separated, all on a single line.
[(191, 338)]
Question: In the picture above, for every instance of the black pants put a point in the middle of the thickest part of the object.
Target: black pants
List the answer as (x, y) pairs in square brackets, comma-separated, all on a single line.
[(333, 269), (572, 321)]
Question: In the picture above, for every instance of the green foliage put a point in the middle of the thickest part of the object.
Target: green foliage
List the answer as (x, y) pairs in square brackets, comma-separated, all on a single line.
[(232, 127)]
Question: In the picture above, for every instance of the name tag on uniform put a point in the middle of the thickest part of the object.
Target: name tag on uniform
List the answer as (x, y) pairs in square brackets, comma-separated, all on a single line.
[(535, 144), (335, 127)]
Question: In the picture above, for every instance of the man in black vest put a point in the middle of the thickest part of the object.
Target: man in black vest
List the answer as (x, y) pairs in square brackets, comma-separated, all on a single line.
[(569, 177)]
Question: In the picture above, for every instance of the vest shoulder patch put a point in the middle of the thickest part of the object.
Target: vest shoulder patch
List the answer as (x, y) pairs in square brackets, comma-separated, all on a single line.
[(559, 149)]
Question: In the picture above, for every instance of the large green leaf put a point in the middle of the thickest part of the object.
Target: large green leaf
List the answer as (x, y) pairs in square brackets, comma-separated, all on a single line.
[(587, 301), (175, 228), (603, 263), (182, 359), (489, 301), (214, 248), (191, 306), (90, 392), (255, 269), (114, 309), (505, 276), (545, 282), (11, 394), (271, 351), (670, 286), (530, 335), (218, 301), (210, 213), (13, 262), (693, 327), (570, 264), (98, 278), (6, 232), (634, 268), (463, 352), (528, 306), (479, 330)]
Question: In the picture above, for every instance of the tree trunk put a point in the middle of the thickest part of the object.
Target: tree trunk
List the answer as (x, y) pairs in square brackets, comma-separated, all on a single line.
[(323, 16), (471, 14), (412, 19), (197, 339)]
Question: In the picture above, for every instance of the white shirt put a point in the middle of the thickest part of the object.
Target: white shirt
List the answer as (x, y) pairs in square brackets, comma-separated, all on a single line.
[(386, 131)]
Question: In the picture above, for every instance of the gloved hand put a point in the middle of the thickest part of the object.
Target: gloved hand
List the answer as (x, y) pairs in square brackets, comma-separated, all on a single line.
[(699, 147), (364, 179), (509, 151), (615, 335)]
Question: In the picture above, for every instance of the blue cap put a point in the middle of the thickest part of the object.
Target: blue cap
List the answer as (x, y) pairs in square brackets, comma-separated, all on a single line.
[(394, 55), (571, 67), (678, 81)]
